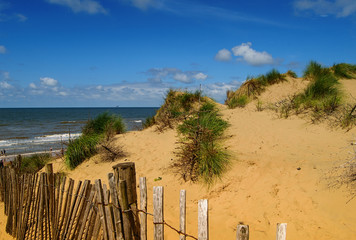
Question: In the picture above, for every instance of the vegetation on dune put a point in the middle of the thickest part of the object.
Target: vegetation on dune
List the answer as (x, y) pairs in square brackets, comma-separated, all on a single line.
[(322, 98), (34, 163), (176, 107), (344, 70), (149, 122), (96, 136), (200, 155), (253, 87)]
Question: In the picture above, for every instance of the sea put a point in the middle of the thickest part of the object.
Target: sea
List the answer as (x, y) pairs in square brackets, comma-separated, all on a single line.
[(32, 130)]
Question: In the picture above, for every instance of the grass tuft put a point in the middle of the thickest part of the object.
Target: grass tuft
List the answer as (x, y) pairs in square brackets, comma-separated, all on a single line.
[(200, 154), (344, 70), (99, 130), (177, 106), (34, 163)]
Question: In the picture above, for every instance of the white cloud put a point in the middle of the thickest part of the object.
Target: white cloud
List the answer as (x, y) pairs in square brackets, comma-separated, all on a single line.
[(88, 6), (5, 85), (223, 55), (182, 77), (2, 49), (157, 75), (47, 81), (200, 76), (33, 86), (21, 17), (251, 56), (339, 8), (63, 94), (145, 4)]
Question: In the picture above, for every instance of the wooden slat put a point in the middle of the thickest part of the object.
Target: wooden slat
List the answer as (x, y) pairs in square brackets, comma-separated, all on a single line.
[(116, 208), (281, 231), (127, 217), (143, 207), (109, 219), (203, 226), (158, 213), (242, 232), (182, 217), (78, 199), (100, 199), (66, 209), (87, 213)]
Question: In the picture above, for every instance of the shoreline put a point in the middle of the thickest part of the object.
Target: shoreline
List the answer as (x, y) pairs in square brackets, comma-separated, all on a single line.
[(10, 158)]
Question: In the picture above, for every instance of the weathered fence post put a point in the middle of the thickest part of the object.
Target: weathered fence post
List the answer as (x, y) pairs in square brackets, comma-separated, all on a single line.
[(281, 231), (158, 213), (182, 218), (143, 207), (100, 199), (203, 225), (242, 232), (127, 172), (126, 213), (116, 209), (50, 181)]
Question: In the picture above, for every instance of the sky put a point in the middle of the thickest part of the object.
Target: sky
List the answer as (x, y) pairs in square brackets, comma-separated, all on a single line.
[(129, 53)]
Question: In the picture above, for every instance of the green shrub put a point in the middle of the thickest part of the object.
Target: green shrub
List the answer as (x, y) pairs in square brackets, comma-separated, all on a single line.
[(344, 70), (176, 106), (272, 77), (104, 122), (292, 74), (238, 101), (100, 129), (323, 85), (149, 121), (80, 149), (314, 70), (200, 155), (34, 163)]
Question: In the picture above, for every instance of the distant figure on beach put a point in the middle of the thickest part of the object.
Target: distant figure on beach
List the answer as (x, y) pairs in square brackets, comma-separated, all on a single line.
[(1, 163), (4, 152)]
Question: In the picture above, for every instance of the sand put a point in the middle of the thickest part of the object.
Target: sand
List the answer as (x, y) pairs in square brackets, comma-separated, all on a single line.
[(279, 173)]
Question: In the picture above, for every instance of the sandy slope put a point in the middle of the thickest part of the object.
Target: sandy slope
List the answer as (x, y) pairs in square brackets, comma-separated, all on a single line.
[(263, 185)]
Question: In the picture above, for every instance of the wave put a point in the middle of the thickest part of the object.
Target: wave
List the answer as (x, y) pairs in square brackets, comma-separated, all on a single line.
[(39, 140)]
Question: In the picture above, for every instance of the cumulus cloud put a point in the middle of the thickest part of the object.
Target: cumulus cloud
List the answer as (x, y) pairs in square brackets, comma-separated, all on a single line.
[(223, 55), (245, 53), (145, 4), (5, 85), (47, 81), (32, 85), (88, 6), (21, 17), (200, 76), (2, 49), (339, 8), (157, 75)]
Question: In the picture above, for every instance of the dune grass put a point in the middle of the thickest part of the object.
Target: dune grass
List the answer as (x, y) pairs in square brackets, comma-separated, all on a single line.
[(252, 88), (344, 70), (100, 129), (177, 105), (321, 98), (34, 163), (200, 155)]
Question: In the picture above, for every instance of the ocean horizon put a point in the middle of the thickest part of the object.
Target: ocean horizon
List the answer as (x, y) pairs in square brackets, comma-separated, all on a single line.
[(27, 130)]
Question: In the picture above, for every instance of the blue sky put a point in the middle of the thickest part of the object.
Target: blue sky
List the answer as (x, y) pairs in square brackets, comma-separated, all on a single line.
[(91, 53)]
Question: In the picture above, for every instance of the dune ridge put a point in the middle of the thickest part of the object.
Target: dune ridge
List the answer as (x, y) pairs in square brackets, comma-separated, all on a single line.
[(279, 173)]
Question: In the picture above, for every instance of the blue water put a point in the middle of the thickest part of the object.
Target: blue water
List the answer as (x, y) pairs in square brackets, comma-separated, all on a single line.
[(27, 130)]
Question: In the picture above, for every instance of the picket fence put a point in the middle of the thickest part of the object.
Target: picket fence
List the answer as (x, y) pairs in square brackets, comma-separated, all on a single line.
[(49, 206)]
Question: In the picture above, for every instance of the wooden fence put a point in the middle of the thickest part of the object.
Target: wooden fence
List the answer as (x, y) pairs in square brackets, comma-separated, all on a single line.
[(50, 206)]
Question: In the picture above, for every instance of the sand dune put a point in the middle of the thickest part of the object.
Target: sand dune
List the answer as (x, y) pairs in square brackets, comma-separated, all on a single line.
[(279, 173)]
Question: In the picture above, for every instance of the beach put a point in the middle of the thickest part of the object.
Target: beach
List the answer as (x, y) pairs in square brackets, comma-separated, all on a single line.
[(281, 171)]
